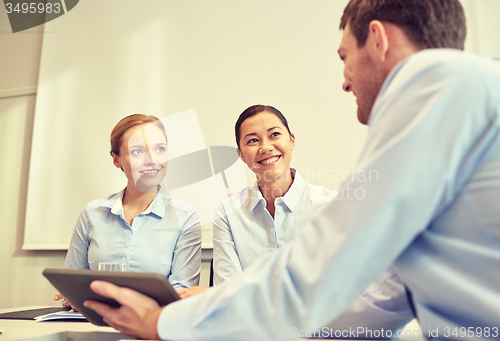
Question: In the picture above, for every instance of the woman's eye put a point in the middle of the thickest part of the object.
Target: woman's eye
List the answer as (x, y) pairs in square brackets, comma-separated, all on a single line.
[(251, 141), (136, 152), (160, 150), (275, 134)]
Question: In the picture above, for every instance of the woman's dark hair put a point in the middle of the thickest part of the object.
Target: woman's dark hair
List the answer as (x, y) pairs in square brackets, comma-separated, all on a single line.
[(254, 110)]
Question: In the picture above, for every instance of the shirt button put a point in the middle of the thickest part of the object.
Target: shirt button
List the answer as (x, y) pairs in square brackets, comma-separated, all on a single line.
[(278, 212), (134, 229)]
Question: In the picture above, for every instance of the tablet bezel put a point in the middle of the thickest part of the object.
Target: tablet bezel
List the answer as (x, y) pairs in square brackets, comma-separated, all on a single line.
[(75, 286)]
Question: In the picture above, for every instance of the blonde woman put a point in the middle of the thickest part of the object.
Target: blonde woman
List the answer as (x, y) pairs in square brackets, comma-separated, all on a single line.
[(140, 225)]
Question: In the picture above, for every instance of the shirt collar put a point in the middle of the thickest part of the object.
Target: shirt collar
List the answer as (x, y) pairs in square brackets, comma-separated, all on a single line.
[(114, 203), (159, 204), (256, 196), (157, 207), (291, 197)]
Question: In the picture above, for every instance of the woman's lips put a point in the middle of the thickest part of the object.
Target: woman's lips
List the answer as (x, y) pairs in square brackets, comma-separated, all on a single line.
[(150, 172), (270, 160)]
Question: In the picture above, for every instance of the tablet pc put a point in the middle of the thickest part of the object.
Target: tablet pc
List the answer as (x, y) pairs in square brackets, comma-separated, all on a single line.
[(75, 286)]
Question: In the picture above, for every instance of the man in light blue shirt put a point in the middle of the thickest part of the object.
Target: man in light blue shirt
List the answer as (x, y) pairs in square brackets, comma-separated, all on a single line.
[(434, 139)]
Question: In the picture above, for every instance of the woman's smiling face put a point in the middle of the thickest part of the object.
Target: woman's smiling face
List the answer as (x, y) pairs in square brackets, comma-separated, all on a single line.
[(143, 157), (266, 146)]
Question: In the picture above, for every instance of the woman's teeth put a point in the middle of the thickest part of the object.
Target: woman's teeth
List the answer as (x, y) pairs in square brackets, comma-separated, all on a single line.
[(270, 160)]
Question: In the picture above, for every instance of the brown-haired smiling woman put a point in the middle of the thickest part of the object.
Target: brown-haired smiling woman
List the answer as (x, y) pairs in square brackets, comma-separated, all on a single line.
[(139, 225)]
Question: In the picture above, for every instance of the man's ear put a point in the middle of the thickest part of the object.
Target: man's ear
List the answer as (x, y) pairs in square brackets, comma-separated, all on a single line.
[(377, 42)]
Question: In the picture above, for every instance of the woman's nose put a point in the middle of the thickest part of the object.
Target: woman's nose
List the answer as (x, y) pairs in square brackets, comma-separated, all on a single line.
[(266, 147), (150, 160)]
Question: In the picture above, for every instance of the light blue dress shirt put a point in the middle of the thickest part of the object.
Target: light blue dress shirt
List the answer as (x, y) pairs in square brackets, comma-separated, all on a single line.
[(164, 239), (434, 139)]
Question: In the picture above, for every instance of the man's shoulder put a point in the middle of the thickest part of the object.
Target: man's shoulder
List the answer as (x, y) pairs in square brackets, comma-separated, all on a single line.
[(439, 56), (434, 67), (434, 63)]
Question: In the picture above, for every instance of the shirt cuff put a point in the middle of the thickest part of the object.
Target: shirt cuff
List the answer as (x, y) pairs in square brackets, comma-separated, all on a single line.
[(173, 323)]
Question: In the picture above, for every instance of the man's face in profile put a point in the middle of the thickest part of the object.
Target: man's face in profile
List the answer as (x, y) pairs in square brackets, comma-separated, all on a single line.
[(362, 76)]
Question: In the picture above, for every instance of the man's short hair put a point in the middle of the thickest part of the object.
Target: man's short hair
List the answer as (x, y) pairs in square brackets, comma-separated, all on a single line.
[(427, 23)]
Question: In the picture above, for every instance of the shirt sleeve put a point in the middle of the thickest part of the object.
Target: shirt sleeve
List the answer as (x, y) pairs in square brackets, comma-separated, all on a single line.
[(226, 260), (428, 129), (186, 260), (77, 256), (382, 307)]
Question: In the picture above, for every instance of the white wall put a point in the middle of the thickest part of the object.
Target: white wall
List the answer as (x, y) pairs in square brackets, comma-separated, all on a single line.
[(21, 283)]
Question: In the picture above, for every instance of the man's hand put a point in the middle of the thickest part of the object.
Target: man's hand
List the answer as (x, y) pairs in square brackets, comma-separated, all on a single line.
[(188, 292), (137, 316)]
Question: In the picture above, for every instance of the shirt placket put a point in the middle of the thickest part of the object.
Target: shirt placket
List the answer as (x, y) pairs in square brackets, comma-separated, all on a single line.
[(131, 236), (279, 218)]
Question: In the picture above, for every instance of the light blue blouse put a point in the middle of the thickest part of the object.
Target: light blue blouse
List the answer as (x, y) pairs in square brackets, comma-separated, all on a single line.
[(164, 239), (244, 230)]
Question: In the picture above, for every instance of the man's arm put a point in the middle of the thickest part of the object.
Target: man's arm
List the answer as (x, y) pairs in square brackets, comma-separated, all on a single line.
[(382, 305)]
